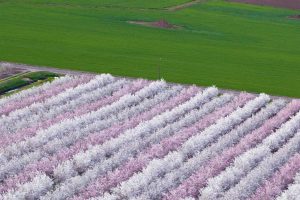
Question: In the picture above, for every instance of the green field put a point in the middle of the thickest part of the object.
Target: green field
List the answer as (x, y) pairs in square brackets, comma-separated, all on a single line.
[(153, 4), (24, 80), (230, 45)]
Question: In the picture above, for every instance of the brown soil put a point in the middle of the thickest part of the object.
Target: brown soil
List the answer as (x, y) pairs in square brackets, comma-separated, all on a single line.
[(295, 17), (158, 24), (291, 4)]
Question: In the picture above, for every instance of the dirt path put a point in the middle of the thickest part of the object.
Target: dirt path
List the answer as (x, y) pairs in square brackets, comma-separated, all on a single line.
[(290, 4), (171, 8), (185, 5), (156, 24), (42, 68)]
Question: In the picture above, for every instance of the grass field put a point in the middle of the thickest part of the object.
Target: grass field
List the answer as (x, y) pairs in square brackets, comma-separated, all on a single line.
[(230, 45), (154, 4), (23, 80)]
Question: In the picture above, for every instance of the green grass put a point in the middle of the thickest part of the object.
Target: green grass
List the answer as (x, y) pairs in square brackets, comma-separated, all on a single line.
[(36, 76), (37, 83), (12, 76), (230, 45), (22, 80), (110, 3)]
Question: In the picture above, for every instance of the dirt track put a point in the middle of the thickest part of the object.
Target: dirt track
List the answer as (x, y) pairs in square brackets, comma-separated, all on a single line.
[(291, 4), (157, 24), (185, 5)]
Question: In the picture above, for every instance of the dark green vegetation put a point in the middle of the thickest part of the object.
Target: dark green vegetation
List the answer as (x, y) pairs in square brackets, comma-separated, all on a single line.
[(22, 80), (230, 45)]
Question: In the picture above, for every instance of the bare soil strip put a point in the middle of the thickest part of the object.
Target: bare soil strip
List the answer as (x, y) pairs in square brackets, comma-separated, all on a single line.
[(295, 17), (185, 5), (290, 4), (41, 68), (157, 24)]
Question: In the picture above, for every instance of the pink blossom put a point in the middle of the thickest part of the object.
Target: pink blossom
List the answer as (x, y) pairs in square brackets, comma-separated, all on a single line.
[(191, 186), (284, 176), (104, 183)]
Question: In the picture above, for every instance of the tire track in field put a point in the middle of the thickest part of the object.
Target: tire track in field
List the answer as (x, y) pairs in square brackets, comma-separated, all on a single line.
[(185, 5)]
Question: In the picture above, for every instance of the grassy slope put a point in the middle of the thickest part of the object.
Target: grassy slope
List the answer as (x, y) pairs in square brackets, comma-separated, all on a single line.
[(230, 45), (22, 80)]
